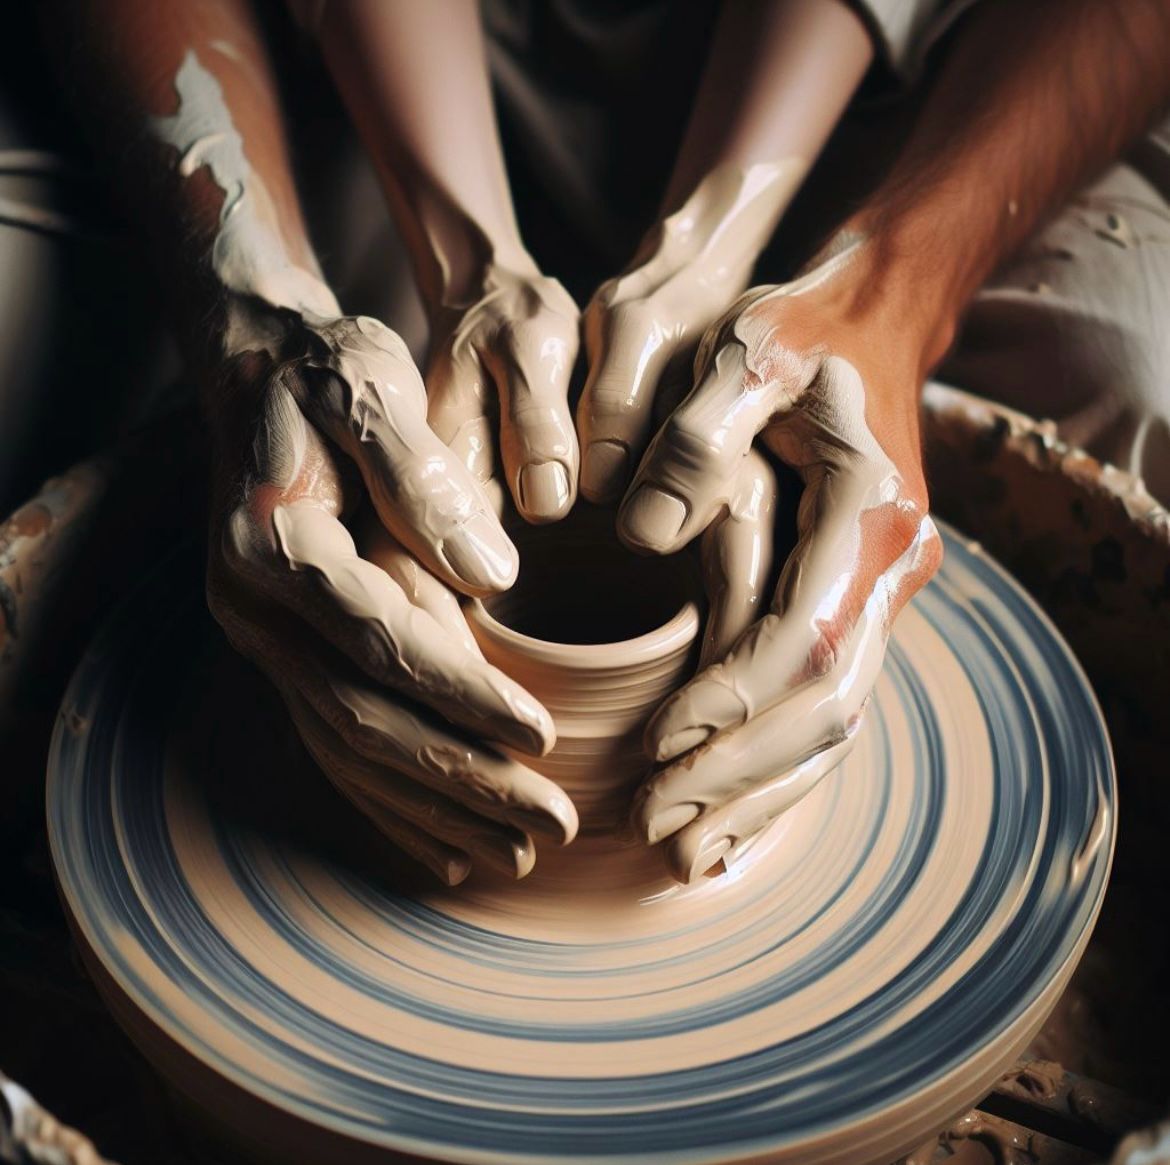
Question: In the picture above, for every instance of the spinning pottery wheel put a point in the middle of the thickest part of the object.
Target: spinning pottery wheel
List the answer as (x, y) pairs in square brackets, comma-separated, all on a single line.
[(863, 974)]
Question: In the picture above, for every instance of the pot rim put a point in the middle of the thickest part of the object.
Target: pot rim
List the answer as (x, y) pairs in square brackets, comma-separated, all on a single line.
[(677, 633)]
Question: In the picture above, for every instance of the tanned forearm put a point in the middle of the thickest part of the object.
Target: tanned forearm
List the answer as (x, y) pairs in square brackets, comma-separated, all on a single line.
[(1033, 101), (124, 63)]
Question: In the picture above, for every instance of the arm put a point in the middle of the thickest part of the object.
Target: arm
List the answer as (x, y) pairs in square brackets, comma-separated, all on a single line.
[(415, 79), (369, 650), (827, 371), (779, 76)]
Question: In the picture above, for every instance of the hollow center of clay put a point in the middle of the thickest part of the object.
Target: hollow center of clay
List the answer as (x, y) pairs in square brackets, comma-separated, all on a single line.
[(579, 584)]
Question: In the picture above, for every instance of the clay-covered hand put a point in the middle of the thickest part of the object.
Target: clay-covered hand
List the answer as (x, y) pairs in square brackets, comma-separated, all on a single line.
[(643, 327), (826, 372), (369, 647), (508, 350)]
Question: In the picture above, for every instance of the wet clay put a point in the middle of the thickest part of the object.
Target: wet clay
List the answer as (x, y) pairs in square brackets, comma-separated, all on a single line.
[(600, 637), (370, 651), (782, 708), (249, 255), (415, 79), (889, 949), (645, 324)]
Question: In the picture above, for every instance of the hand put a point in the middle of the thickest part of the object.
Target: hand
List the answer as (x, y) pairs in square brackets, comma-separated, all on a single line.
[(370, 651), (826, 371), (519, 332), (643, 327)]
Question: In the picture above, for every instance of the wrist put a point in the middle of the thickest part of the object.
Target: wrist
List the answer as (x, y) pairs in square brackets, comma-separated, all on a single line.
[(907, 281), (455, 253), (719, 229), (481, 272), (241, 326)]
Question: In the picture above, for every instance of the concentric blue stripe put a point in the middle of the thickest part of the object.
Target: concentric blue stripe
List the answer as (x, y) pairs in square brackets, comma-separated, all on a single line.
[(1051, 762)]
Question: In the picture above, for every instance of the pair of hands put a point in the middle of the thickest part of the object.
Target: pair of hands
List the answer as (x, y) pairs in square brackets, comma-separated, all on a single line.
[(366, 639)]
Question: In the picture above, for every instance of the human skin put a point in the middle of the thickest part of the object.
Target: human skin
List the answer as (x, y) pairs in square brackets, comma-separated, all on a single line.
[(826, 373), (415, 79), (778, 77), (315, 417)]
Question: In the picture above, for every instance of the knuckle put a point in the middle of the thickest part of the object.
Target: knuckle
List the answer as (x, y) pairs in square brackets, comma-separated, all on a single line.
[(628, 324), (686, 438), (932, 549), (526, 340), (610, 402), (905, 524), (825, 654)]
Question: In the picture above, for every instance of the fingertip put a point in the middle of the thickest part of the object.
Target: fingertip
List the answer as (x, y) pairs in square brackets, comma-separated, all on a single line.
[(535, 734), (555, 820), (664, 822), (692, 857), (513, 856), (453, 870), (480, 555), (566, 815), (524, 722), (652, 519)]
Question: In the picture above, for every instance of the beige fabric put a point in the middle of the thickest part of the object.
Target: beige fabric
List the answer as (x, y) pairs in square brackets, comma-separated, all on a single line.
[(1077, 328)]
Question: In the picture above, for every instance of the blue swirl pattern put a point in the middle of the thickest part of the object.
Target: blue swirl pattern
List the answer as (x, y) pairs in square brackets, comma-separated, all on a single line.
[(492, 1040)]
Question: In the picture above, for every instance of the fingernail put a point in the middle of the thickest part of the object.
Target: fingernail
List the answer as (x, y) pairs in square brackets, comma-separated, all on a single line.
[(653, 518), (707, 857), (481, 554), (605, 470), (670, 820), (512, 858), (452, 870), (544, 488), (535, 732), (680, 742), (557, 822)]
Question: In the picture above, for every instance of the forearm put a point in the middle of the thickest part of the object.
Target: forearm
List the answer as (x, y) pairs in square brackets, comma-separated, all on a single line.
[(1033, 101), (779, 76), (180, 101), (414, 77)]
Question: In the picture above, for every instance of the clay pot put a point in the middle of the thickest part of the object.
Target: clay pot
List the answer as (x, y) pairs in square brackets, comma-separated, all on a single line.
[(600, 636)]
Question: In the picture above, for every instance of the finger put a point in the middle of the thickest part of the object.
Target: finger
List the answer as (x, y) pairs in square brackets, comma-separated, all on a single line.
[(854, 554), (730, 765), (393, 732), (696, 848), (449, 864), (499, 847), (512, 854), (418, 584), (737, 558), (690, 469), (459, 405), (531, 361), (313, 568), (366, 394), (629, 350)]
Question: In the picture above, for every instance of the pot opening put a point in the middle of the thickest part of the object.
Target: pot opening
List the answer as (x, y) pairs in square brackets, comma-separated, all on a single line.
[(579, 584)]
